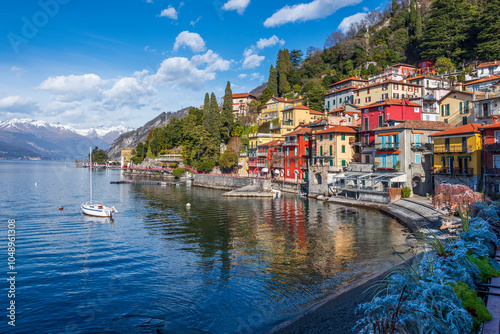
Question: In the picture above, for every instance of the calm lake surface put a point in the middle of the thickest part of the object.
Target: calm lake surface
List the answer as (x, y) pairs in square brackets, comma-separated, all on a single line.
[(223, 266)]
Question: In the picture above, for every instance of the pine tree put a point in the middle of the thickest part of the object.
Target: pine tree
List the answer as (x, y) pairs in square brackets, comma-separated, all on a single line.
[(447, 30), (272, 83), (413, 17), (488, 38), (227, 116), (394, 7), (296, 58)]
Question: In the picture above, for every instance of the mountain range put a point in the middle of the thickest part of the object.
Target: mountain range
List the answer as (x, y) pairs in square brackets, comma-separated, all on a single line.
[(33, 140)]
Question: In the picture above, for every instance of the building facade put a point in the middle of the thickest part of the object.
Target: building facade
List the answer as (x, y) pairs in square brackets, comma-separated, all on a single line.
[(297, 149), (457, 156), (389, 89), (341, 92), (457, 108), (292, 117), (254, 140), (241, 103), (490, 136)]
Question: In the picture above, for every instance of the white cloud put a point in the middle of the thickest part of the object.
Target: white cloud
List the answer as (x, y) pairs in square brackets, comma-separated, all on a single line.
[(252, 61), (191, 73), (316, 9), (267, 42), (149, 1), (256, 76), (238, 5), (73, 87), (251, 58), (348, 21), (129, 91), (193, 23), (191, 40), (242, 76), (18, 105), (16, 69), (170, 12)]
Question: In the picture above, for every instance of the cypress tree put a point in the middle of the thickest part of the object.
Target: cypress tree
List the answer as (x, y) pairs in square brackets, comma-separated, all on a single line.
[(412, 17), (394, 7), (418, 22), (272, 83), (283, 66), (227, 116), (206, 112), (214, 120)]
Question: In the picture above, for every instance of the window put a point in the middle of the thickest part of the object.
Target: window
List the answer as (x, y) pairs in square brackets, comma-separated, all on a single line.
[(368, 90), (306, 137), (307, 151), (496, 161), (464, 120), (321, 138), (380, 120), (331, 137), (416, 89), (448, 110), (321, 151), (296, 151), (460, 107), (410, 89), (367, 159), (416, 109), (340, 100), (427, 83), (331, 150), (288, 172), (384, 160), (328, 105), (358, 101), (288, 151), (442, 110), (334, 101), (385, 96), (357, 93), (343, 163), (385, 87), (343, 137), (417, 138), (497, 136), (288, 163), (367, 139), (343, 148), (395, 86), (331, 162), (417, 159), (366, 123), (466, 106), (395, 96)]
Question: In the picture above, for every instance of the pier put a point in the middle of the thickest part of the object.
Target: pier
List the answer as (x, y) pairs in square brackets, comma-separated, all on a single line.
[(148, 183)]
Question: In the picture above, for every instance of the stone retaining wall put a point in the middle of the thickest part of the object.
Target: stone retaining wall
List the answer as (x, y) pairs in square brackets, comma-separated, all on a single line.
[(228, 182)]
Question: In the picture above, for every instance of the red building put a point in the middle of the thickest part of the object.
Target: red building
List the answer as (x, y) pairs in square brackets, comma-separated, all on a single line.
[(376, 114), (491, 156), (268, 158), (297, 150), (426, 67)]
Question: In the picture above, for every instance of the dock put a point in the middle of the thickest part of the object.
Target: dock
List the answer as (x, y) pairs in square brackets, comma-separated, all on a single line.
[(148, 183)]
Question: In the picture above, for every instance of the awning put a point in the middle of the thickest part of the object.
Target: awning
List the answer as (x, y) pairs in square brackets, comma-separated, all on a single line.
[(265, 170), (276, 171)]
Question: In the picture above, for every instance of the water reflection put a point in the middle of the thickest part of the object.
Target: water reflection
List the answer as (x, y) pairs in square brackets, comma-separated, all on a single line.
[(267, 257)]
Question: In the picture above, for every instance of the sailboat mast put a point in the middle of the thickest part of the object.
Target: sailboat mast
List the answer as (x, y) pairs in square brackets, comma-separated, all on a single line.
[(90, 172)]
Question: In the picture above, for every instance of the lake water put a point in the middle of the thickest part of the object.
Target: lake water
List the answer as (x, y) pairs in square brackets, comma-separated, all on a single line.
[(225, 265)]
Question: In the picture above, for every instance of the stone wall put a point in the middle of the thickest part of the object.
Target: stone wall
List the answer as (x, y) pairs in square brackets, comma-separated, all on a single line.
[(471, 181), (228, 182)]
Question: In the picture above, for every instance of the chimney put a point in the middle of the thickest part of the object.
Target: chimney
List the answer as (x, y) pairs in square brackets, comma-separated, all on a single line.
[(308, 105)]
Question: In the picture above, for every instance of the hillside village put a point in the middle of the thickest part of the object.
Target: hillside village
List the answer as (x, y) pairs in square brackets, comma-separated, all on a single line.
[(358, 126)]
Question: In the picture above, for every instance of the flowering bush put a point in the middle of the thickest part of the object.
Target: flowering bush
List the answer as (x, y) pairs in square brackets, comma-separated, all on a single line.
[(455, 197)]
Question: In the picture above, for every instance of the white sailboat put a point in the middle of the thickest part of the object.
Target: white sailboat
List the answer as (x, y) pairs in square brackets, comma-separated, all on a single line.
[(96, 210)]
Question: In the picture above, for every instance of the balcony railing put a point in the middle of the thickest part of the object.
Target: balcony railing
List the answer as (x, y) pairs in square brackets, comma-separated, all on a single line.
[(495, 147), (453, 148), (422, 146), (454, 171), (388, 167), (492, 171), (261, 164), (387, 146), (291, 143), (262, 154), (252, 164)]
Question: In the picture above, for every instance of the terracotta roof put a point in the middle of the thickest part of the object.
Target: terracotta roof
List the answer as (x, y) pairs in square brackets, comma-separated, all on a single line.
[(490, 126), (490, 78), (299, 131), (391, 102), (271, 143), (425, 76), (416, 124), (489, 63), (302, 107), (388, 82), (337, 128), (456, 92), (468, 128), (282, 99), (337, 110), (344, 80), (401, 64), (341, 90), (240, 95)]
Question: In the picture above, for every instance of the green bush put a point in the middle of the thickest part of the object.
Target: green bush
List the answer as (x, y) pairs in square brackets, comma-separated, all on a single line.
[(137, 160), (205, 165), (178, 172), (406, 192), (485, 267), (472, 303)]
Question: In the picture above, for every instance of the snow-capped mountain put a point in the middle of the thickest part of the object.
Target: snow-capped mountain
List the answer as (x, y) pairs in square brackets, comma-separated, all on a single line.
[(32, 139)]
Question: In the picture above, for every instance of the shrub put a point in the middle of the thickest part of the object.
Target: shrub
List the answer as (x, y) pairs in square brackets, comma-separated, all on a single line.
[(178, 172), (472, 303), (406, 192), (485, 267), (205, 165), (137, 160)]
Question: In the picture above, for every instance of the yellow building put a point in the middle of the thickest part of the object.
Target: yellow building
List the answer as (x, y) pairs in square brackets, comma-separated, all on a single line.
[(292, 117), (457, 108), (243, 164), (254, 140), (272, 109), (389, 89), (457, 156), (126, 155), (334, 146)]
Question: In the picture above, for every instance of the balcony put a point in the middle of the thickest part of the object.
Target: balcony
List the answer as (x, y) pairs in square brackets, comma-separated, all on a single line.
[(387, 146), (291, 143), (387, 167), (492, 147), (303, 166), (252, 164), (453, 171), (261, 164), (492, 171), (262, 154), (453, 148), (422, 146), (277, 164)]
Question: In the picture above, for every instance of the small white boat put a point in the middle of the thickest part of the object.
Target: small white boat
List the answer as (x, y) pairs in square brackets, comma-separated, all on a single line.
[(96, 210)]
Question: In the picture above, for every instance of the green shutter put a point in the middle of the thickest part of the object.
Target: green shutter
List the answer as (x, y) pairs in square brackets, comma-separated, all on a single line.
[(321, 151), (442, 110), (461, 107), (343, 163), (343, 137), (447, 110), (343, 148)]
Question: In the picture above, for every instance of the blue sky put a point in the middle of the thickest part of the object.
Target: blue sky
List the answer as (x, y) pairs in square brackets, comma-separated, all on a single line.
[(88, 63)]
